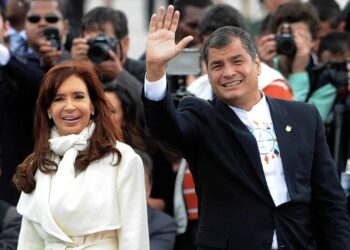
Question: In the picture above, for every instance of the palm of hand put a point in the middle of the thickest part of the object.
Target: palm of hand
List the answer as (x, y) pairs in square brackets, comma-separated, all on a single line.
[(161, 46)]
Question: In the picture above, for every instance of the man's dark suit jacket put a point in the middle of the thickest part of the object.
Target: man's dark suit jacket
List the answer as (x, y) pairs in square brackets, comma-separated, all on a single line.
[(19, 86), (236, 210)]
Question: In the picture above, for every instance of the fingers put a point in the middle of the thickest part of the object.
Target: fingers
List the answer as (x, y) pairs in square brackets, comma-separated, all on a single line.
[(79, 49), (152, 23), (168, 18), (168, 21), (160, 16), (183, 43), (175, 21)]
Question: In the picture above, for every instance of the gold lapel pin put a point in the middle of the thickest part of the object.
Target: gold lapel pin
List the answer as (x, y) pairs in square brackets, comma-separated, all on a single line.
[(288, 128)]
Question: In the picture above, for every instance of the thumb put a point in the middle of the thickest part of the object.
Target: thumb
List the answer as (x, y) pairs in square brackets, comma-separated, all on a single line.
[(183, 43)]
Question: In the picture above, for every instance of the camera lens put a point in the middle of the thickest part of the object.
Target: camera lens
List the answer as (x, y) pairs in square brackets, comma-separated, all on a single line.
[(285, 45), (98, 52)]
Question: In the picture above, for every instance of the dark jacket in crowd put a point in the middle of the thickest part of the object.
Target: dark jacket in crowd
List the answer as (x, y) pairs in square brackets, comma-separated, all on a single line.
[(10, 225)]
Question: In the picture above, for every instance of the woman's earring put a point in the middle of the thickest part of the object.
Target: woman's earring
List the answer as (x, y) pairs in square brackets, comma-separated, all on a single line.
[(93, 113), (49, 116)]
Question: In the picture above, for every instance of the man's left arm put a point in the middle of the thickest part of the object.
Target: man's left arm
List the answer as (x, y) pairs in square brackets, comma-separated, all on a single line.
[(329, 202)]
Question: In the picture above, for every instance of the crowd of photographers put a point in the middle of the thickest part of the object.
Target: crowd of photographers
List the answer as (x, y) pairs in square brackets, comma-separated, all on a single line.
[(305, 54)]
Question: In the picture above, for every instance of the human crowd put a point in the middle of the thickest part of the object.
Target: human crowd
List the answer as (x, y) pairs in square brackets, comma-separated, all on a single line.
[(102, 151)]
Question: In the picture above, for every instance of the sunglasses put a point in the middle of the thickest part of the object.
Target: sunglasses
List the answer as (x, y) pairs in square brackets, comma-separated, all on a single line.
[(48, 18)]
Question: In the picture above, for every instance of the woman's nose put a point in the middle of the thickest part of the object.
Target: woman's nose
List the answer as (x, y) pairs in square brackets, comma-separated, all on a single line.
[(69, 105)]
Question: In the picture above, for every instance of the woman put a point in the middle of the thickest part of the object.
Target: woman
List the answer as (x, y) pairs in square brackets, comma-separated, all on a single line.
[(126, 116), (82, 188)]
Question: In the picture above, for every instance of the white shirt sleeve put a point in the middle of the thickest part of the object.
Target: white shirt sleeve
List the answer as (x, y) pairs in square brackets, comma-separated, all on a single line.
[(4, 55), (155, 91)]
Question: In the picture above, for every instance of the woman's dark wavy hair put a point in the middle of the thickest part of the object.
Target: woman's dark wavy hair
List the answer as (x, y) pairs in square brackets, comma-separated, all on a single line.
[(102, 141), (131, 126)]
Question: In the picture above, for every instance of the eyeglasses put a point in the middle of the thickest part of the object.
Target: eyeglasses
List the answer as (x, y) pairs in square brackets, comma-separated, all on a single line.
[(48, 18)]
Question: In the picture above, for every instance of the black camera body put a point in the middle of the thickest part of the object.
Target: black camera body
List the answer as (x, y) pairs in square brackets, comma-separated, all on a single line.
[(99, 47), (52, 35), (332, 72), (285, 41)]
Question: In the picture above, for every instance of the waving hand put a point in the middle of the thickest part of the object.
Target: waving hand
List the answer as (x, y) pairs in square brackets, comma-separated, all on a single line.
[(161, 46)]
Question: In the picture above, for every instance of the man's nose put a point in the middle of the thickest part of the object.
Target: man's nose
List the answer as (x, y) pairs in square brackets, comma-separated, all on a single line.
[(42, 22), (229, 71)]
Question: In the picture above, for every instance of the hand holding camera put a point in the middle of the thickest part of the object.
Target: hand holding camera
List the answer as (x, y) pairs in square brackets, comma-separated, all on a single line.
[(304, 44), (105, 52), (100, 46), (79, 48), (109, 69), (266, 46), (49, 48)]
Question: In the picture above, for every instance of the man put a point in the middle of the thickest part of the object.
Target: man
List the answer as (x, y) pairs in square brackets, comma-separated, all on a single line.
[(270, 80), (192, 13), (44, 14), (117, 68), (16, 12), (329, 13), (300, 21), (254, 191)]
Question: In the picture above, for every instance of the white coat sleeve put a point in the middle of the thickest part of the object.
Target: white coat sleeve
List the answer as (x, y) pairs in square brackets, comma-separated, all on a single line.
[(29, 238), (133, 234)]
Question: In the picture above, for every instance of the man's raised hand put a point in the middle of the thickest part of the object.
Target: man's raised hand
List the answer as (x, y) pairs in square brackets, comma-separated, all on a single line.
[(161, 46)]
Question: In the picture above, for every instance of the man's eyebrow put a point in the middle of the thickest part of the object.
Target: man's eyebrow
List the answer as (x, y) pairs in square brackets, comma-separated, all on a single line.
[(238, 56)]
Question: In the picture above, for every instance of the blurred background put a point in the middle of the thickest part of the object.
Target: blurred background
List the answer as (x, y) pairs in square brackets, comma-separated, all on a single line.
[(137, 12)]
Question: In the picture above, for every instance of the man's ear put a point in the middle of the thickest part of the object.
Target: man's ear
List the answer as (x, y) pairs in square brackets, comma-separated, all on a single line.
[(258, 65), (341, 26)]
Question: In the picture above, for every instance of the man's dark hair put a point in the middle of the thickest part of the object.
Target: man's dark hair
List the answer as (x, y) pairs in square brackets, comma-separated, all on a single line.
[(296, 12), (335, 42), (224, 36), (181, 5), (328, 11), (60, 6), (98, 17), (218, 16)]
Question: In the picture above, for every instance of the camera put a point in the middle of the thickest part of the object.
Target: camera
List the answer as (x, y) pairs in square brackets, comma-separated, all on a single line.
[(285, 41), (332, 72), (99, 47), (52, 35)]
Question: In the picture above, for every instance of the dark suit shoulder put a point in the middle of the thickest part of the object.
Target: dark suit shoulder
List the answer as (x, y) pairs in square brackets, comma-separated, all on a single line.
[(195, 103), (295, 109)]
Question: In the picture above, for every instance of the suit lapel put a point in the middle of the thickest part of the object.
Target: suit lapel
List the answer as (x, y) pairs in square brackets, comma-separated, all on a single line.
[(286, 133), (246, 139)]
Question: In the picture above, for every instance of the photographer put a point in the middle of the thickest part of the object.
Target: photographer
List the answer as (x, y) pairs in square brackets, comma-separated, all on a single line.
[(105, 42), (288, 48), (330, 78), (46, 28)]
